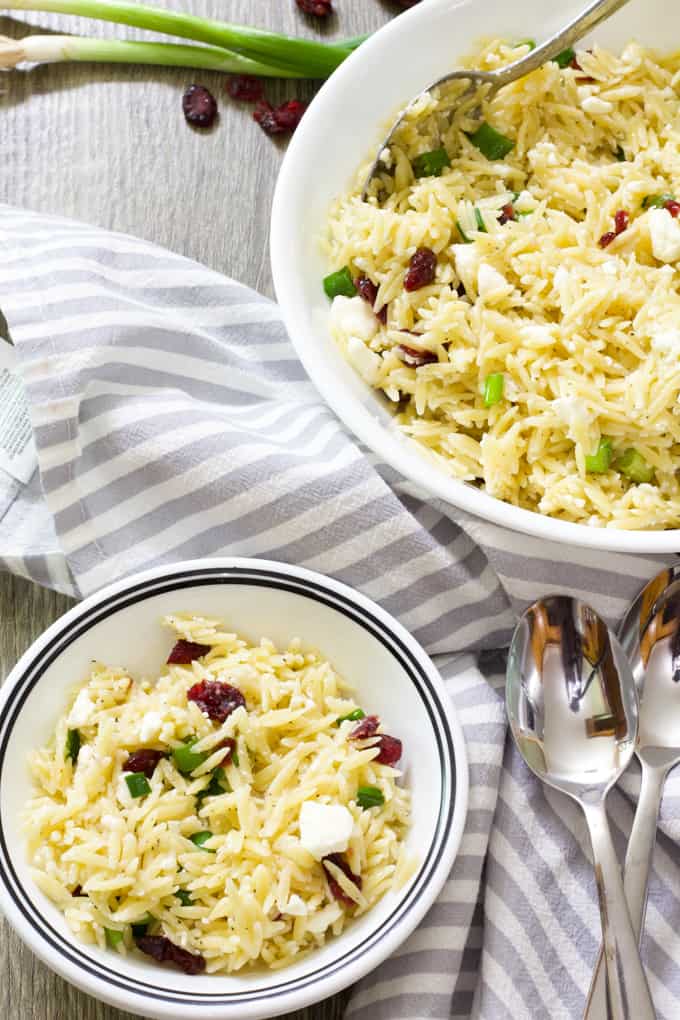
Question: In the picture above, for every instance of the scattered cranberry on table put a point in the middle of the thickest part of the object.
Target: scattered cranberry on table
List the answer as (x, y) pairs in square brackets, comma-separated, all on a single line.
[(199, 106), (245, 88), (279, 120), (319, 8)]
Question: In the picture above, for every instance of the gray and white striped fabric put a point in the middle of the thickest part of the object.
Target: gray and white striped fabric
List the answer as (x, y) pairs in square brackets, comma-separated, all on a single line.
[(173, 420)]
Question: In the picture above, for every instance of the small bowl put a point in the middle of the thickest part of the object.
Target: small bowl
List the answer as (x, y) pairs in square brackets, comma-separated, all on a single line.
[(391, 675), (342, 128)]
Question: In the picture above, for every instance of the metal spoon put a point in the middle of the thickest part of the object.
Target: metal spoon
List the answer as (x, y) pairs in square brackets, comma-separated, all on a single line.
[(572, 708), (595, 13), (650, 635)]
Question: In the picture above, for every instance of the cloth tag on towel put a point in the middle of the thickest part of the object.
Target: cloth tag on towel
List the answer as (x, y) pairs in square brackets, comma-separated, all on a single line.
[(17, 450)]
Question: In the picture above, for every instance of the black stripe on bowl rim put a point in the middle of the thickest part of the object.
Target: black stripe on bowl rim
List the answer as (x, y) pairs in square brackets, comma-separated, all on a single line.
[(71, 950)]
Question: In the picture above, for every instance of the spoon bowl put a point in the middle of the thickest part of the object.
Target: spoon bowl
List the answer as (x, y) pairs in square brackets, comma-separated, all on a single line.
[(650, 636), (571, 698), (573, 712)]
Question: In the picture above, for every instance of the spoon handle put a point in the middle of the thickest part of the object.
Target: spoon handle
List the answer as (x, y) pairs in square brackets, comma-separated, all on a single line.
[(594, 13), (636, 876), (629, 996)]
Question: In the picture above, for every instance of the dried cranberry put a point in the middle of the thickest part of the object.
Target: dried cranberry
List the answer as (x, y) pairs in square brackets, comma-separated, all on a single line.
[(186, 651), (199, 106), (421, 269), (339, 861), (229, 744), (575, 64), (368, 727), (369, 292), (673, 207), (144, 760), (319, 8), (607, 239), (390, 749), (289, 114), (281, 119), (415, 358), (265, 115), (621, 221), (246, 88), (216, 699), (165, 951), (78, 891), (507, 213)]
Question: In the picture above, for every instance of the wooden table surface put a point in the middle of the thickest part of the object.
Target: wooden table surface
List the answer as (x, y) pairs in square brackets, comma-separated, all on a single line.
[(109, 145)]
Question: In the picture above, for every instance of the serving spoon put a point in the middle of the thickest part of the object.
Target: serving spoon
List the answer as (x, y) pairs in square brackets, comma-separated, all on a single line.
[(573, 713), (650, 635), (595, 13)]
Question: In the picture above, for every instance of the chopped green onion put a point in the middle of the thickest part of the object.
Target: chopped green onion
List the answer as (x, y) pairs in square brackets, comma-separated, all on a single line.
[(184, 897), (656, 201), (142, 926), (480, 221), (187, 760), (565, 58), (620, 154), (430, 164), (491, 143), (598, 462), (340, 284), (301, 57), (465, 238), (353, 716), (531, 43), (493, 388), (370, 796), (218, 784), (634, 466), (235, 758), (138, 784), (199, 839), (113, 937), (72, 748)]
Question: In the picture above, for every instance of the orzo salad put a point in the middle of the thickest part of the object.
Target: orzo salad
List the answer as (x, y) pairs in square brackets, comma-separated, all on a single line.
[(512, 285), (237, 810)]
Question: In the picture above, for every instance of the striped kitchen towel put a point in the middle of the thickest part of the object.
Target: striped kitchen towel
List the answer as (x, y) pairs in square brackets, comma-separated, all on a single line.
[(172, 420)]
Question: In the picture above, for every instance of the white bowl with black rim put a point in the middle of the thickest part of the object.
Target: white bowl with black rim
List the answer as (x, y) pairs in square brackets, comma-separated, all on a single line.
[(391, 675)]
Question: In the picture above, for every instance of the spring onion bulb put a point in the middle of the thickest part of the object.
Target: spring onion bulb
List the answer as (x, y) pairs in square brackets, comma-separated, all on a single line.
[(49, 49), (299, 57)]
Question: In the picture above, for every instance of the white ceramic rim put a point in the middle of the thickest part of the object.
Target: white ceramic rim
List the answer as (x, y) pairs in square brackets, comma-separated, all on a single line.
[(63, 956), (395, 450)]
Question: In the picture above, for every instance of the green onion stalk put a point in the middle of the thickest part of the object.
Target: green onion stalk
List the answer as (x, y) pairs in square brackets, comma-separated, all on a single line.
[(303, 58), (45, 49)]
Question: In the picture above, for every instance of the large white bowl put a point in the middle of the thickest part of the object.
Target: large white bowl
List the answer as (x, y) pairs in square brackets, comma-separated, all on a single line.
[(341, 128), (391, 675)]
